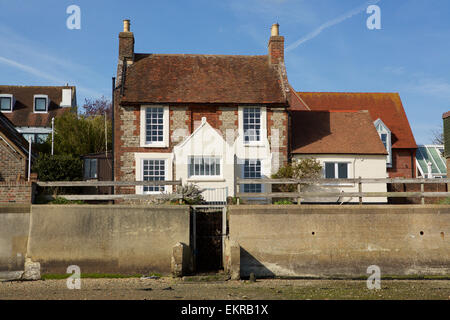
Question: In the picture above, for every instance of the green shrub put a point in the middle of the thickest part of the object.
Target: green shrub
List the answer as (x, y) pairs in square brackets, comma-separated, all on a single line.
[(191, 194), (283, 202), (307, 168)]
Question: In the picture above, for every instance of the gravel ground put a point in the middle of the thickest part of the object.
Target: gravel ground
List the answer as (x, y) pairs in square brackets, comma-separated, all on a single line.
[(179, 289)]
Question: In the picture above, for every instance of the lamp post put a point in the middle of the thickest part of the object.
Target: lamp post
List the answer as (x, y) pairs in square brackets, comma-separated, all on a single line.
[(53, 130)]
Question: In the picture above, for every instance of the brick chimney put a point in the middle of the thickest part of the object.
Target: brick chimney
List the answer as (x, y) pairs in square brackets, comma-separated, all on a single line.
[(276, 45), (126, 42)]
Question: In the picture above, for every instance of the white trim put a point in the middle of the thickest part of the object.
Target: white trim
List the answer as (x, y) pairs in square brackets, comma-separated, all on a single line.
[(7, 95), (140, 157), (388, 140), (30, 130), (40, 96), (166, 123), (263, 131)]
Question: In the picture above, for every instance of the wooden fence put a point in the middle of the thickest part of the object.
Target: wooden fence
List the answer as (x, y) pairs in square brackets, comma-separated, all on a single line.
[(299, 194), (171, 196)]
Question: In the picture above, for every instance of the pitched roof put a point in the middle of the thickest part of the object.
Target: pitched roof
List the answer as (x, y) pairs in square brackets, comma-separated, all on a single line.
[(8, 130), (23, 115), (325, 132), (386, 106), (186, 78)]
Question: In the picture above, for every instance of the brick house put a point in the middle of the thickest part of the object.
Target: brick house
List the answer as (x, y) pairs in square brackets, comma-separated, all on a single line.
[(388, 115), (31, 108), (13, 152), (204, 119)]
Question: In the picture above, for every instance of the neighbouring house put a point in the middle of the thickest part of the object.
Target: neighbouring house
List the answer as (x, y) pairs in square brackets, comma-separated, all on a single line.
[(13, 152), (204, 119), (98, 167), (31, 108), (431, 162), (388, 116), (348, 147)]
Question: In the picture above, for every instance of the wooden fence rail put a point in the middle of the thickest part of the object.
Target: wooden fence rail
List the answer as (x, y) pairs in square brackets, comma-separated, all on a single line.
[(172, 196), (341, 183)]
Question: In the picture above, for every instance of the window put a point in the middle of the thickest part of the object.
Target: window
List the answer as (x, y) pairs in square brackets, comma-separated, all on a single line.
[(252, 125), (90, 168), (154, 126), (40, 103), (204, 166), (252, 170), (5, 103), (336, 170), (154, 170), (154, 119), (385, 136), (35, 137)]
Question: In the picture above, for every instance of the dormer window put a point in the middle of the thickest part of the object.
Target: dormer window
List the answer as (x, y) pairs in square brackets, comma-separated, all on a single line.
[(40, 103), (6, 102), (385, 136)]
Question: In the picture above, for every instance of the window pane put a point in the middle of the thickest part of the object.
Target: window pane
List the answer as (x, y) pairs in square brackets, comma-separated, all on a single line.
[(93, 168), (5, 104), (329, 170), (29, 136), (154, 124), (41, 138), (204, 166), (252, 124), (343, 170), (384, 139), (154, 170), (252, 170), (40, 104), (87, 168)]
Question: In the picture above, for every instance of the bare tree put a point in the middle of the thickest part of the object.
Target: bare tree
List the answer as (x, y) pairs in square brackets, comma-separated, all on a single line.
[(438, 135), (95, 107)]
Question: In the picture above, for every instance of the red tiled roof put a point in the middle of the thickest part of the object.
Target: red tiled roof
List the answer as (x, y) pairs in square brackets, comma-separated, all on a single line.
[(184, 78), (23, 115), (324, 132), (385, 106)]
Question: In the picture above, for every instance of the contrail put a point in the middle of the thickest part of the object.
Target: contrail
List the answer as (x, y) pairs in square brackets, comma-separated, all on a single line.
[(331, 23)]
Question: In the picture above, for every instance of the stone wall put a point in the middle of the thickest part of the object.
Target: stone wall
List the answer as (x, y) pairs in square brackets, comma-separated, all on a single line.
[(107, 239), (327, 241), (14, 227)]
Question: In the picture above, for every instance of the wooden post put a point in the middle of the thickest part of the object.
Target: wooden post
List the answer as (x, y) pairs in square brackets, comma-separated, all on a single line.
[(422, 190), (238, 188), (299, 190), (360, 191)]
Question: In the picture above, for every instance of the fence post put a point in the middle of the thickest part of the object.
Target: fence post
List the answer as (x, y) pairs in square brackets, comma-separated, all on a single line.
[(299, 190), (360, 191), (238, 188), (422, 190)]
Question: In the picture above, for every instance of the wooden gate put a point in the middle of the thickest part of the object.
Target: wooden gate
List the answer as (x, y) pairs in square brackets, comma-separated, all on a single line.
[(209, 230)]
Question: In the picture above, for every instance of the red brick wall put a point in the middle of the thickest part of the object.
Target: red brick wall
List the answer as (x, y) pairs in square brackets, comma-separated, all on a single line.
[(16, 192), (415, 187), (403, 164), (12, 164)]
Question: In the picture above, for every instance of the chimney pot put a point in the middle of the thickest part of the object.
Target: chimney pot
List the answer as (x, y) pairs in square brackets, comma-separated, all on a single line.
[(126, 25), (275, 30)]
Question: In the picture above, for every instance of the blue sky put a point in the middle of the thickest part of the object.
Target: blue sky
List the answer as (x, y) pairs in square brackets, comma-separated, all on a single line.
[(409, 55)]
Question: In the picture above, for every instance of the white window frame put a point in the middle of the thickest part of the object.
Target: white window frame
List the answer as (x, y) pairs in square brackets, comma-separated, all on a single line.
[(143, 128), (336, 169), (5, 95), (40, 96), (385, 130), (263, 131), (139, 160), (243, 174), (205, 177)]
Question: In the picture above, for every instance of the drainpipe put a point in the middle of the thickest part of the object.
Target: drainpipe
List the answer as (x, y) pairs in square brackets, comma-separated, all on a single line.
[(112, 119)]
